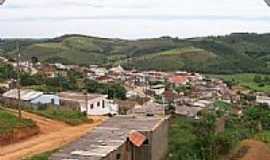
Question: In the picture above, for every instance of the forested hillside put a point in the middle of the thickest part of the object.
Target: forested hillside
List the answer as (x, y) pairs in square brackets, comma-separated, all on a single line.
[(235, 53)]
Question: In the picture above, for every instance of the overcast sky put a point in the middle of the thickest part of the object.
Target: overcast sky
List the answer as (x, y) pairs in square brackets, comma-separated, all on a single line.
[(132, 19)]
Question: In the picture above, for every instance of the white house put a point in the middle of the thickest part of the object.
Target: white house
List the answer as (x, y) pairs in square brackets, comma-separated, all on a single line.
[(92, 104), (263, 100)]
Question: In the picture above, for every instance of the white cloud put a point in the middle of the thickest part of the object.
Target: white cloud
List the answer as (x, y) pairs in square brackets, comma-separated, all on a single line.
[(52, 14)]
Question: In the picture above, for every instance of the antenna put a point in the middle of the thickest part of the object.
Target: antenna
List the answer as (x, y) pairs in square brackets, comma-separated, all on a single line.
[(18, 81)]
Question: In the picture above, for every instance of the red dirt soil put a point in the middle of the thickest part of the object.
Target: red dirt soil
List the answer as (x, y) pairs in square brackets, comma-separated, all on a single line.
[(53, 135), (256, 150)]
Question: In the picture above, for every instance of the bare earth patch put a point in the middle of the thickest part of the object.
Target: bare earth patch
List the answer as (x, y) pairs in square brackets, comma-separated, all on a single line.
[(53, 135), (252, 150)]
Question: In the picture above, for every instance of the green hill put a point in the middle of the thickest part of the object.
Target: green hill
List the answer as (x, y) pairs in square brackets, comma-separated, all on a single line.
[(235, 53)]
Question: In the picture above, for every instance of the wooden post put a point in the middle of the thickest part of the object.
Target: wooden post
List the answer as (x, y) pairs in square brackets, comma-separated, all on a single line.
[(19, 81)]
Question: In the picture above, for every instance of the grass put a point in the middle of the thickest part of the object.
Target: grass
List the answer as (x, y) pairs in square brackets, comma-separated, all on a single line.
[(245, 80), (42, 156), (9, 122), (263, 136), (70, 117)]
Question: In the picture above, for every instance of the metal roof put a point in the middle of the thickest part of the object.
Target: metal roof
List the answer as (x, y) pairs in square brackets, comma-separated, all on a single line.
[(108, 137), (26, 94)]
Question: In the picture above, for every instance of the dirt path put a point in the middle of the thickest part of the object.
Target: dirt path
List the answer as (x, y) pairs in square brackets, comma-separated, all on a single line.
[(53, 135), (255, 150)]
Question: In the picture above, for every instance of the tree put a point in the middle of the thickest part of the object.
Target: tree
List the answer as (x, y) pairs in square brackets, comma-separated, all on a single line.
[(257, 79), (34, 60)]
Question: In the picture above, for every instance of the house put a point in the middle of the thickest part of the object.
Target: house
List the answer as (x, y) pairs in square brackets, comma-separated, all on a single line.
[(188, 111), (32, 96), (121, 138), (149, 108), (263, 100), (178, 80), (25, 94), (99, 71), (92, 104), (119, 69), (158, 89)]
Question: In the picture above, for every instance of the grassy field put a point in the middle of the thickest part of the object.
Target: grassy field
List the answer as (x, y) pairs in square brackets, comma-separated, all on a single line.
[(245, 80), (8, 122), (69, 117)]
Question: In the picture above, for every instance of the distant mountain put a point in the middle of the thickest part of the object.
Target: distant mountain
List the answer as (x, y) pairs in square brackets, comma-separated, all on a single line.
[(235, 53)]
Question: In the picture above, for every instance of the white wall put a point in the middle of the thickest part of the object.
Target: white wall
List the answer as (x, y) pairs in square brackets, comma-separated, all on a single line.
[(94, 109)]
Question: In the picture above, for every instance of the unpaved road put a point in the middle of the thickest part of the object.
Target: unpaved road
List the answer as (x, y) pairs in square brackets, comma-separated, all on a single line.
[(54, 134), (256, 150)]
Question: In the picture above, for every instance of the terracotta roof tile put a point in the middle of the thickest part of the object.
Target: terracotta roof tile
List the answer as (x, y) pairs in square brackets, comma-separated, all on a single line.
[(136, 138)]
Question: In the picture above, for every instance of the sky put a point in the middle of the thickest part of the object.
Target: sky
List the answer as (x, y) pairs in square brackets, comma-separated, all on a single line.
[(132, 19)]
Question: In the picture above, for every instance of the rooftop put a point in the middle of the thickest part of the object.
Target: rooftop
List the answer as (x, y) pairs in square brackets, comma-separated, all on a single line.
[(78, 96), (108, 137), (26, 94)]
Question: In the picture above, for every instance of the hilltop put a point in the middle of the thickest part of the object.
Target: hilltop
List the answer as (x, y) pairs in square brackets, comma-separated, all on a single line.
[(234, 53)]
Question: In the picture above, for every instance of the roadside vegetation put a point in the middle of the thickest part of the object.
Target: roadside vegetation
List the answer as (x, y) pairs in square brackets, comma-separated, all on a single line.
[(9, 122), (42, 156), (202, 140), (68, 116)]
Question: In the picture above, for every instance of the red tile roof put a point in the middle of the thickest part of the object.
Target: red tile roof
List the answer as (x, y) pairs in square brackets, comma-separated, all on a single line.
[(136, 138), (178, 79)]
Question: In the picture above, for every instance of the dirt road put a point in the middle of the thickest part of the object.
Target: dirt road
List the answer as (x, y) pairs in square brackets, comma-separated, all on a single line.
[(254, 150), (54, 134)]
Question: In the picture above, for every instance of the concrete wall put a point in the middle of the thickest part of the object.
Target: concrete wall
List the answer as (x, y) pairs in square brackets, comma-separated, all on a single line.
[(156, 146), (160, 141), (120, 154), (95, 109)]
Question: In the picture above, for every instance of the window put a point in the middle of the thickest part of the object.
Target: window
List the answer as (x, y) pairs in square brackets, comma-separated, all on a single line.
[(52, 101), (98, 104), (92, 106), (118, 156), (103, 104), (146, 141)]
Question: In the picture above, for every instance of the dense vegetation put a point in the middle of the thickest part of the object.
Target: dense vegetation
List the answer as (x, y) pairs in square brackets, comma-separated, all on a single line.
[(9, 122), (6, 72), (235, 53), (74, 81), (114, 91), (200, 140)]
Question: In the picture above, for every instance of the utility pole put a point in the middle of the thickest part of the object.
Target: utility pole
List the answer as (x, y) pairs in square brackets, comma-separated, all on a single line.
[(86, 100), (18, 81)]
